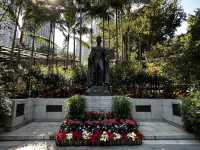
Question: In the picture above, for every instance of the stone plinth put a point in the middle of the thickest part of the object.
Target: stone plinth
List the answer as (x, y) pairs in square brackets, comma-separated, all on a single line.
[(99, 103), (36, 109)]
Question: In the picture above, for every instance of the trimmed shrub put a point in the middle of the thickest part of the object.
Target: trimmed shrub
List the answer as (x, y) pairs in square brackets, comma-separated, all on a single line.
[(76, 107), (121, 107), (191, 112)]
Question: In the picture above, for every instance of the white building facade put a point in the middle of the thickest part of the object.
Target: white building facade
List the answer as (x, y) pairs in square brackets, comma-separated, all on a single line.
[(7, 27), (43, 32)]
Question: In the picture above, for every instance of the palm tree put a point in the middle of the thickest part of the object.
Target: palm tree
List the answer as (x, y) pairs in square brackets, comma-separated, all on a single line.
[(81, 11), (70, 13), (83, 7), (74, 46), (14, 13), (53, 16)]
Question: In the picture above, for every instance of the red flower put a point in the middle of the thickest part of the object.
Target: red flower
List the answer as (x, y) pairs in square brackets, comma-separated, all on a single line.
[(110, 135), (124, 137), (76, 135), (131, 122), (60, 136), (140, 135), (122, 121), (72, 122), (109, 122), (89, 122), (97, 122), (96, 136)]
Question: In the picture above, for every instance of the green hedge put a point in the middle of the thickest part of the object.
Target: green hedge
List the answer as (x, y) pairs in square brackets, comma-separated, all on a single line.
[(121, 107), (191, 112), (76, 106)]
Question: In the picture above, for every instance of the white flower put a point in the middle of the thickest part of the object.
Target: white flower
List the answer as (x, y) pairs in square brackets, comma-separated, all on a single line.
[(69, 136), (116, 136), (132, 135), (104, 136), (86, 135)]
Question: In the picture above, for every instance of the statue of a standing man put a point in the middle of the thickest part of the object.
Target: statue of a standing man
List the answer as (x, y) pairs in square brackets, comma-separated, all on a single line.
[(98, 74)]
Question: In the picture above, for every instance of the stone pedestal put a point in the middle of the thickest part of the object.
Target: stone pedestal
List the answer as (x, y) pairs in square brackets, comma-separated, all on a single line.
[(99, 103), (99, 91)]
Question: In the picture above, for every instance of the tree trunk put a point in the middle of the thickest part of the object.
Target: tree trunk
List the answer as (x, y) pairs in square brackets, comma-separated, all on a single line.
[(53, 51), (14, 36), (21, 46), (49, 46), (91, 33), (127, 46), (103, 32), (33, 45), (116, 24), (68, 36), (31, 59), (74, 51), (122, 46), (80, 50), (108, 32)]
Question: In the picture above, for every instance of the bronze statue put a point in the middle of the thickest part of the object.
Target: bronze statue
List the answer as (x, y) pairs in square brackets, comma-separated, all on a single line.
[(98, 74)]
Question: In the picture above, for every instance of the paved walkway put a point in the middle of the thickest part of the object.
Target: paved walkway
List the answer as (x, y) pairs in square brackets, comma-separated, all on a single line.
[(46, 131), (163, 131), (33, 131), (36, 135), (148, 145)]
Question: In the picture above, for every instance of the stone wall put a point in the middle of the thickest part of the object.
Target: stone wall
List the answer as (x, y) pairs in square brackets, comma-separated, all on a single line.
[(156, 109), (40, 112), (52, 109), (18, 120), (168, 111), (161, 109), (36, 110)]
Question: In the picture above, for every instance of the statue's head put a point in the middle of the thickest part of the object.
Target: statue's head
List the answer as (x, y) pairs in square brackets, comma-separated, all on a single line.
[(98, 40)]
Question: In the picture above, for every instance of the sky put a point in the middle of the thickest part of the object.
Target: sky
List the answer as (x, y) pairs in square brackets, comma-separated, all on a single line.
[(188, 5)]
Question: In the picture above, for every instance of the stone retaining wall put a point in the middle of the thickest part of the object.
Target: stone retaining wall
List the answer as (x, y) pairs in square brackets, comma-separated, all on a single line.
[(52, 109)]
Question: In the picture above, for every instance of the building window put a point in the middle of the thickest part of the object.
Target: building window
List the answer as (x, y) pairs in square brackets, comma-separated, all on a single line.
[(53, 108), (176, 110), (20, 110), (143, 108)]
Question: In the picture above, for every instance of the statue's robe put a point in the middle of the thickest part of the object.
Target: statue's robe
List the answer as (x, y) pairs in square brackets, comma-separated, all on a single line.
[(98, 67)]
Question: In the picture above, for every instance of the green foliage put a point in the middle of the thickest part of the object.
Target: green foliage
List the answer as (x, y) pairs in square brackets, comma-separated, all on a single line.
[(53, 80), (127, 79), (58, 82), (147, 25), (181, 54), (79, 75), (121, 74), (5, 109), (42, 82), (76, 106), (191, 112), (160, 19), (121, 107), (194, 25), (11, 80)]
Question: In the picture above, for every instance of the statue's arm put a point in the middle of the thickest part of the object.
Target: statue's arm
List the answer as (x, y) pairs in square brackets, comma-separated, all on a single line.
[(91, 55), (105, 55)]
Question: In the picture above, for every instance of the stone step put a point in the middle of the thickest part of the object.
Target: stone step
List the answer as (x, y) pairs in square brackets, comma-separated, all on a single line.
[(51, 137), (47, 130)]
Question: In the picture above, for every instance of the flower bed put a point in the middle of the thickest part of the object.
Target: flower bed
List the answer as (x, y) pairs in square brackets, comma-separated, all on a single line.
[(98, 129)]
